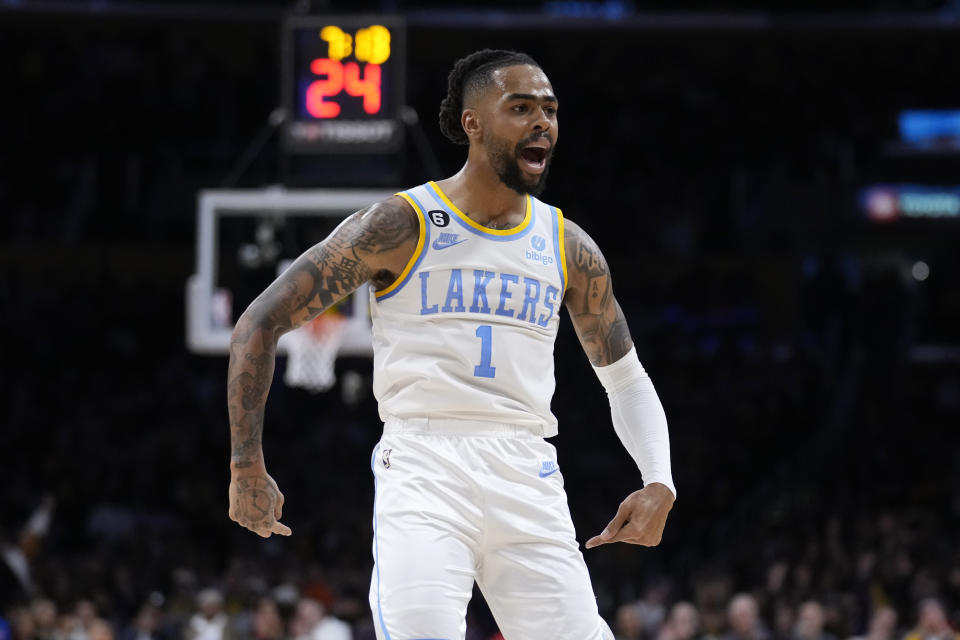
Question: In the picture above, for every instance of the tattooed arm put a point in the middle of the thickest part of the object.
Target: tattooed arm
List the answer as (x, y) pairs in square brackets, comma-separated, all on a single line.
[(372, 245), (638, 417), (597, 318)]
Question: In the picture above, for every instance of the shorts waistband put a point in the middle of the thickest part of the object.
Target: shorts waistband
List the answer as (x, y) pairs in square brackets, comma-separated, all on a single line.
[(454, 427)]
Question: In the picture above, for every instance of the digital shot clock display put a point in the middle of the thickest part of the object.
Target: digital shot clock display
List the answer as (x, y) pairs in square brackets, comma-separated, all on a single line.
[(343, 84)]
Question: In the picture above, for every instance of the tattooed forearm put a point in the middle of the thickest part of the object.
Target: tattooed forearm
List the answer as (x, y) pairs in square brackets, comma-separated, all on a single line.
[(596, 315), (372, 244), (249, 374)]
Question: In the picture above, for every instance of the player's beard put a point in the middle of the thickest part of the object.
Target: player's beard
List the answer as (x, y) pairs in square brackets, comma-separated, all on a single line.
[(506, 162)]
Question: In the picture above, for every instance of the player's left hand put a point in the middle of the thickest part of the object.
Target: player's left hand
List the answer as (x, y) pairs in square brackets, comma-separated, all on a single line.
[(640, 518)]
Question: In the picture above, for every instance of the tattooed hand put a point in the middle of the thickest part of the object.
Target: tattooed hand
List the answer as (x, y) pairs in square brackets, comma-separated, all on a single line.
[(257, 504), (371, 245), (597, 318)]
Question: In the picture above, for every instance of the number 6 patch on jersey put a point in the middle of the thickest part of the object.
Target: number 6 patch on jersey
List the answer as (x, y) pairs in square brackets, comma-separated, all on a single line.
[(439, 217)]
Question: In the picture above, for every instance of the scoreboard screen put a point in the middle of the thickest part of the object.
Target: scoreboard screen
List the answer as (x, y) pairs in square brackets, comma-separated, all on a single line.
[(343, 84)]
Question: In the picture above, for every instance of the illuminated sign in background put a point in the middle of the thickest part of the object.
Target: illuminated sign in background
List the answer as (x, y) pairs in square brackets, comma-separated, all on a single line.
[(889, 203), (930, 129), (345, 84)]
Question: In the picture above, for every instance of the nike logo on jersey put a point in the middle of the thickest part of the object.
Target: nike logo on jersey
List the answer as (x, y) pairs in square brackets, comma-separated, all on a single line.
[(447, 240), (548, 467)]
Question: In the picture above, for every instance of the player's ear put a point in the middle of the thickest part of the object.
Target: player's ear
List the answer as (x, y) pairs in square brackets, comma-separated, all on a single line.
[(470, 121)]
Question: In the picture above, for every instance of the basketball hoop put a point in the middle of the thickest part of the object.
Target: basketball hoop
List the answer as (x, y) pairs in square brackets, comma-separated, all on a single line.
[(312, 351)]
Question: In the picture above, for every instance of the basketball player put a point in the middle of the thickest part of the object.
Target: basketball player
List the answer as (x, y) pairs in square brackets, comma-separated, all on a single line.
[(468, 275)]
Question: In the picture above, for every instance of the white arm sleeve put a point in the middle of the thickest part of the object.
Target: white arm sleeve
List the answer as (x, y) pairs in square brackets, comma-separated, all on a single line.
[(638, 417)]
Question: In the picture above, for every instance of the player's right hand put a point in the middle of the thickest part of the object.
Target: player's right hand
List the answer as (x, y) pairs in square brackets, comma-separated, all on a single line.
[(256, 503)]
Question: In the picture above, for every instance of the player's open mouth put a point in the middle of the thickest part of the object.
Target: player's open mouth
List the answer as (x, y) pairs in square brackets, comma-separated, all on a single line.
[(534, 159)]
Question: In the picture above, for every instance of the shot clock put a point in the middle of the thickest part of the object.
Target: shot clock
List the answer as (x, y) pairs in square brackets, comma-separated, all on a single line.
[(343, 84)]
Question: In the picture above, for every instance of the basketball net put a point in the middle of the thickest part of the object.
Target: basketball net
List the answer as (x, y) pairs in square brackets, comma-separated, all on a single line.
[(312, 352)]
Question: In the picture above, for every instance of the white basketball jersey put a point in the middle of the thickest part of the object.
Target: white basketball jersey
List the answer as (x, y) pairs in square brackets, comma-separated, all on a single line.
[(467, 330)]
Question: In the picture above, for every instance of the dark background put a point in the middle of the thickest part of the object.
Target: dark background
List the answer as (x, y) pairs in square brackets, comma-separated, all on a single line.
[(716, 159)]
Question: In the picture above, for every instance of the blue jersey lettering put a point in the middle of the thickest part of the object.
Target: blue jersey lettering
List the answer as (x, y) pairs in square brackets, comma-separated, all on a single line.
[(505, 294), (535, 293), (454, 292), (554, 292), (531, 293), (424, 309), (480, 281)]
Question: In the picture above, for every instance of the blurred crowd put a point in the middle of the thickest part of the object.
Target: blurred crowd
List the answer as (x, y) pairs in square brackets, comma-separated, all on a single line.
[(269, 618), (307, 612), (892, 575)]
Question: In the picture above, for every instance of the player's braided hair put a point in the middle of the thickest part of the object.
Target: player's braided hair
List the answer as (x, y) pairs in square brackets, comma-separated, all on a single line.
[(469, 74)]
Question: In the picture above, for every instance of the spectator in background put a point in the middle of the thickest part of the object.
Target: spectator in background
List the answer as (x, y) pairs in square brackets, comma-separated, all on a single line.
[(932, 623), (5, 633), (14, 572), (712, 622), (629, 623), (744, 619), (266, 623), (99, 629), (683, 623), (711, 596), (16, 579), (883, 625), (652, 608), (16, 552), (209, 622), (146, 625), (810, 621), (66, 622), (310, 622), (44, 613), (21, 624), (76, 625), (783, 621)]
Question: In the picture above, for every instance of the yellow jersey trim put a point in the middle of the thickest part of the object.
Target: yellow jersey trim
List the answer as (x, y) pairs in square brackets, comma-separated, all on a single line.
[(416, 252), (563, 251), (479, 227)]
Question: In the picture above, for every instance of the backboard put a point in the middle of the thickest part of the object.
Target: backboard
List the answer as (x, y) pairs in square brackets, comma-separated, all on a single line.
[(245, 238)]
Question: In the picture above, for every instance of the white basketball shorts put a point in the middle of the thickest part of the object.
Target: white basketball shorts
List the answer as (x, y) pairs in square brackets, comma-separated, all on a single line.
[(458, 502)]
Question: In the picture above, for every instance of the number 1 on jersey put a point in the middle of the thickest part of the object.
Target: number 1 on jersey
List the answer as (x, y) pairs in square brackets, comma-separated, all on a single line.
[(484, 370)]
